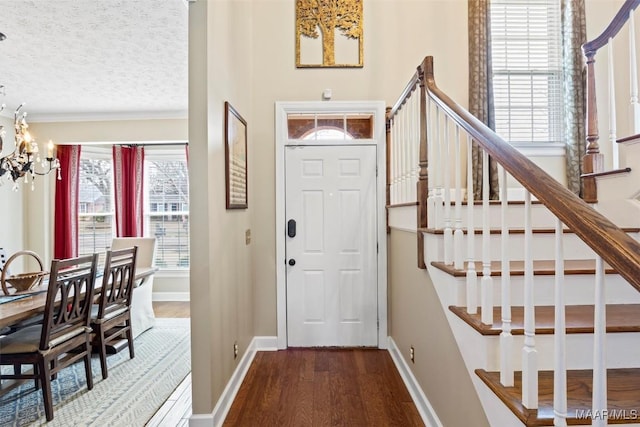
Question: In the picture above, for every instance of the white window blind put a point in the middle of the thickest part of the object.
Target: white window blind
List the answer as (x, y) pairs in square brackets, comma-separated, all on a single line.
[(526, 53)]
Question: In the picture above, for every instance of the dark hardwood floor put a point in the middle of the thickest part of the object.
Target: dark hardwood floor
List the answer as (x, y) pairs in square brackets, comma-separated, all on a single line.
[(323, 387)]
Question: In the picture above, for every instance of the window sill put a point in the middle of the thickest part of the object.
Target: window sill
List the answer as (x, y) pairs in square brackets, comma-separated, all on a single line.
[(531, 149)]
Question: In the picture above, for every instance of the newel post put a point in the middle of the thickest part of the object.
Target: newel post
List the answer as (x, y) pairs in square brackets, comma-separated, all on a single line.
[(593, 161), (425, 69)]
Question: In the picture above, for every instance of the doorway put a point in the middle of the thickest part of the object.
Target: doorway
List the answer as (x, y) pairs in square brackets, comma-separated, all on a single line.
[(330, 224)]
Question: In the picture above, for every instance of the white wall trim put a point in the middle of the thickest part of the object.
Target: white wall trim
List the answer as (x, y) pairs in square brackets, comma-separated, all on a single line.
[(220, 411), (377, 108), (428, 414), (170, 296)]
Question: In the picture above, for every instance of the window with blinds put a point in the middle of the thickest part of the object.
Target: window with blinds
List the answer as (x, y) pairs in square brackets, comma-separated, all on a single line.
[(526, 55), (166, 196)]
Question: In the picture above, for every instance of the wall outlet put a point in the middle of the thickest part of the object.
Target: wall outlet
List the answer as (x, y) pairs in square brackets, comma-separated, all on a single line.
[(412, 354), (235, 350), (247, 236)]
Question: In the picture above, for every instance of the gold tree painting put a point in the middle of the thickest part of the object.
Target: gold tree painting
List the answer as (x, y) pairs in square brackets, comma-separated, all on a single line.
[(336, 25)]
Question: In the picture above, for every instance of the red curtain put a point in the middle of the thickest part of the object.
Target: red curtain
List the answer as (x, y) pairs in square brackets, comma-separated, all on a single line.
[(66, 213), (128, 174)]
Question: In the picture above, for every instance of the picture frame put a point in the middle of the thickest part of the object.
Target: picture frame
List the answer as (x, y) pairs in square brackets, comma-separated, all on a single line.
[(235, 147)]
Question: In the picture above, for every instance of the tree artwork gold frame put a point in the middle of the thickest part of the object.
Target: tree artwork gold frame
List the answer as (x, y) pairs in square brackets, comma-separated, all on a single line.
[(337, 27), (235, 165)]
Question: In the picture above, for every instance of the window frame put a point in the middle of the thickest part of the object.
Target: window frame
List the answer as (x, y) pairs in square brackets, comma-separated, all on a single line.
[(533, 148), (166, 152)]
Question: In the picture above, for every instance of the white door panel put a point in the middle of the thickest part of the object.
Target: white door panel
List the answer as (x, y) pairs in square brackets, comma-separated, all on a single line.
[(332, 288)]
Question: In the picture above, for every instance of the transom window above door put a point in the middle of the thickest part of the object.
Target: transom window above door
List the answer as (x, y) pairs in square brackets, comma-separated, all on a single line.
[(301, 126)]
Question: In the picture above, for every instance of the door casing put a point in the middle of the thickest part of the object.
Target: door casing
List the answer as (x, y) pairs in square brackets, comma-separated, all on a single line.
[(282, 109)]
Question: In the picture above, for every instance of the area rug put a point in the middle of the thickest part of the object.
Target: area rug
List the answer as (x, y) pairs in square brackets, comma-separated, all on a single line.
[(132, 393)]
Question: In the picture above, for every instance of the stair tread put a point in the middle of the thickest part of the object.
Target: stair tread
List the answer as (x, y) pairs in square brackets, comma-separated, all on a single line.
[(623, 389), (540, 267), (579, 319), (519, 230)]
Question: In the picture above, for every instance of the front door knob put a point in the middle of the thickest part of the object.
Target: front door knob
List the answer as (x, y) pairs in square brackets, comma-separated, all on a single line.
[(292, 262)]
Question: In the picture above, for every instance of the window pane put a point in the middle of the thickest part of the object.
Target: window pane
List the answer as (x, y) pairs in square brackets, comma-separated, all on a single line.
[(172, 236), (167, 183), (527, 70), (94, 233), (95, 206)]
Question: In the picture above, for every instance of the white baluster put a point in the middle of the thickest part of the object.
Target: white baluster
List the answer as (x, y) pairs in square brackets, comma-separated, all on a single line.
[(559, 337), (599, 347), (486, 285), (458, 235), (472, 275), (506, 338), (438, 196), (612, 108), (407, 153), (392, 165), (395, 148), (431, 205), (403, 154), (448, 231), (415, 162), (529, 352), (633, 74)]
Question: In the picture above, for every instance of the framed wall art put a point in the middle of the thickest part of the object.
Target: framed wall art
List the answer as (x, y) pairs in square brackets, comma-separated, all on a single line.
[(235, 158), (329, 33)]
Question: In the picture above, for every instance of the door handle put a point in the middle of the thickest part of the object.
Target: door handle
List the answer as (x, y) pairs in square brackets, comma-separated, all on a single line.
[(291, 228), (292, 262)]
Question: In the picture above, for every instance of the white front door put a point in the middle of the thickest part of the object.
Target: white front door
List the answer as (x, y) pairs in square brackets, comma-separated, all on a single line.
[(331, 278)]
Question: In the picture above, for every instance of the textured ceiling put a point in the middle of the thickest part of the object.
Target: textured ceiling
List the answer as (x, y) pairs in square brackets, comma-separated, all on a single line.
[(94, 58)]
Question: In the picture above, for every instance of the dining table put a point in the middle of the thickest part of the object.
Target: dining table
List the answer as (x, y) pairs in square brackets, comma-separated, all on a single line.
[(20, 306)]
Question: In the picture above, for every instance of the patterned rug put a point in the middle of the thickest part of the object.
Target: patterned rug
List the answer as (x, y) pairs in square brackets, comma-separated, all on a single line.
[(134, 391)]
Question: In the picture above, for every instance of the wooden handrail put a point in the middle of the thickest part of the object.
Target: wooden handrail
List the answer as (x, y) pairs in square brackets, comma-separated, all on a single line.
[(613, 28), (405, 95), (610, 242)]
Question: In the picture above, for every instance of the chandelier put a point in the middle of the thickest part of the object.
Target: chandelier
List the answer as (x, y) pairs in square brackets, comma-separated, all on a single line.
[(25, 161)]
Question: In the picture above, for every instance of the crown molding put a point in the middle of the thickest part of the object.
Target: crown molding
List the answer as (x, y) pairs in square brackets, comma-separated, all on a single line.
[(89, 117)]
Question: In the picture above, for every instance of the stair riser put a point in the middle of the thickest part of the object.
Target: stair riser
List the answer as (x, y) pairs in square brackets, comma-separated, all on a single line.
[(541, 217), (543, 247), (622, 351), (579, 289)]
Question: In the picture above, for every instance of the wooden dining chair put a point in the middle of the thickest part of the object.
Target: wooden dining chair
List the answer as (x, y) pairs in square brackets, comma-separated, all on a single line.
[(64, 337), (111, 317)]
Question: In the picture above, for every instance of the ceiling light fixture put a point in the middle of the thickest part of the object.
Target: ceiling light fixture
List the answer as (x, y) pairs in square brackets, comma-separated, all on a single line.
[(24, 160)]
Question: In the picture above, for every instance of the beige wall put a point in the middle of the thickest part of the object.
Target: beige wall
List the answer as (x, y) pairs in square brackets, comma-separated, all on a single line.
[(220, 70), (417, 319), (398, 34), (77, 132)]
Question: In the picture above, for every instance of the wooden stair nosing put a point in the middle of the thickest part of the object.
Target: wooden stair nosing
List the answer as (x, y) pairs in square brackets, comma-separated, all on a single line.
[(579, 319), (540, 268), (623, 395)]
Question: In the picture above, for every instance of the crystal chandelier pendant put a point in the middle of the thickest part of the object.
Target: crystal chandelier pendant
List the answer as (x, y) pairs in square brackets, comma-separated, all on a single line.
[(25, 158)]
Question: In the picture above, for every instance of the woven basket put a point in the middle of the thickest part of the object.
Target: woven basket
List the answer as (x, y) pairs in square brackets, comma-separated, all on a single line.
[(24, 281)]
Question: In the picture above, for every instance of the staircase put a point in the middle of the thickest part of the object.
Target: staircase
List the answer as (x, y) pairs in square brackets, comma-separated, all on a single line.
[(480, 343), (542, 292)]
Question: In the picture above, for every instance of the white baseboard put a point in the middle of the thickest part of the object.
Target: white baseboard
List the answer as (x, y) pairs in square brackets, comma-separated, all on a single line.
[(170, 296), (429, 416), (216, 418)]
